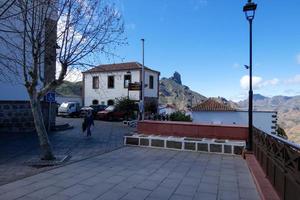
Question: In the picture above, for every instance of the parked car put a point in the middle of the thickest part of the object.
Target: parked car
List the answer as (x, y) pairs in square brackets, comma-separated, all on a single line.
[(110, 113), (94, 108), (69, 109)]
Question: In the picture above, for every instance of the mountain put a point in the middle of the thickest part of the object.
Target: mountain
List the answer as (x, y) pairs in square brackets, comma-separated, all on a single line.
[(288, 109), (71, 89), (171, 91)]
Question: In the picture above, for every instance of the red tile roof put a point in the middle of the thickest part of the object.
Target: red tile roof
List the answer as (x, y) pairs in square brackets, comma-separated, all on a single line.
[(212, 105), (118, 67)]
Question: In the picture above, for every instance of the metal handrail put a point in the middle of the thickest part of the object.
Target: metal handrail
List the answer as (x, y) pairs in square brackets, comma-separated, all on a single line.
[(285, 141)]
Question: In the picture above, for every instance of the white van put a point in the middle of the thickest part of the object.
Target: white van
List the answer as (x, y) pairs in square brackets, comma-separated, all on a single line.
[(69, 109)]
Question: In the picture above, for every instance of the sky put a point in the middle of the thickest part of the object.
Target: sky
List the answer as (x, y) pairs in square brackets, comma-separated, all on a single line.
[(207, 42)]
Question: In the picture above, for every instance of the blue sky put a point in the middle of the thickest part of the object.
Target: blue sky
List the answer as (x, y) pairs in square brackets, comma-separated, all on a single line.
[(207, 42)]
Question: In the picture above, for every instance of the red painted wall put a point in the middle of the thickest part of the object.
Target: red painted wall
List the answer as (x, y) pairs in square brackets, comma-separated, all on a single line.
[(188, 129)]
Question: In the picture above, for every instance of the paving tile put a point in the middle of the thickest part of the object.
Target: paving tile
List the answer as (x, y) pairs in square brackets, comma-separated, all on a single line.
[(74, 190), (113, 194), (45, 192), (210, 179), (228, 195), (186, 190), (161, 193), (228, 185), (190, 181), (115, 179), (250, 194), (85, 196), (148, 185), (180, 197), (205, 196), (170, 183), (136, 194), (59, 197), (208, 188)]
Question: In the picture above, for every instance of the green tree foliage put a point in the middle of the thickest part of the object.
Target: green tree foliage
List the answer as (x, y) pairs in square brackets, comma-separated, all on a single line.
[(128, 106), (281, 132), (180, 116)]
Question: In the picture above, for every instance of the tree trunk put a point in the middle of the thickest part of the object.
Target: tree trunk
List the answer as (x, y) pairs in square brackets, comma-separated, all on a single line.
[(46, 150)]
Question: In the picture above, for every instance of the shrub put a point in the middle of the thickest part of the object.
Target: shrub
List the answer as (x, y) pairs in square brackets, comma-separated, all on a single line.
[(180, 116), (128, 106), (281, 132)]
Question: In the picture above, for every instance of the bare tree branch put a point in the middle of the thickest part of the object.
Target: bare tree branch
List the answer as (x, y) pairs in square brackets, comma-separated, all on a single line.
[(35, 34)]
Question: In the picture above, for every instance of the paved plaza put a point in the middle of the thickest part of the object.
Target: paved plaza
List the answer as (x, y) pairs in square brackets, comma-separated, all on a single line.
[(135, 173), (15, 149)]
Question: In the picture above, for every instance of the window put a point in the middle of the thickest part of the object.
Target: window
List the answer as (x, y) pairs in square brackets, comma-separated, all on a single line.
[(95, 82), (110, 82), (127, 80), (110, 102), (102, 103), (95, 102), (151, 82)]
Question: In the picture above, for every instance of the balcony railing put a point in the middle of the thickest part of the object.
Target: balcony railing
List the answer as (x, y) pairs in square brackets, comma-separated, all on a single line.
[(280, 160)]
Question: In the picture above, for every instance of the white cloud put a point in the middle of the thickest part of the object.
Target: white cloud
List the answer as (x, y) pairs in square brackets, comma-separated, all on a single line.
[(73, 74), (257, 82), (293, 80), (298, 58)]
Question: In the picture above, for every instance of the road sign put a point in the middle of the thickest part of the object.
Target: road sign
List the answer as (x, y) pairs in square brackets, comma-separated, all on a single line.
[(50, 97), (134, 86)]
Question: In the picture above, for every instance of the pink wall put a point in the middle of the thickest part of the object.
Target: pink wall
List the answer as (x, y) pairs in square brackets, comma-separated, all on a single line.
[(189, 129)]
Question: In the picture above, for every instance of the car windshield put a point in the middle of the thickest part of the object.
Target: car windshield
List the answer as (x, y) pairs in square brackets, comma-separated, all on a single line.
[(110, 108), (64, 105)]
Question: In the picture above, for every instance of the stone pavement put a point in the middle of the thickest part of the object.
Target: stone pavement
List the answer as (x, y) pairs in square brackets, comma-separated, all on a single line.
[(134, 173), (15, 149)]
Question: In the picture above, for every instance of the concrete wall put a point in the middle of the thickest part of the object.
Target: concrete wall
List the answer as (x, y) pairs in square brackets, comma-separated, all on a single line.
[(188, 129), (16, 116), (103, 94), (265, 121)]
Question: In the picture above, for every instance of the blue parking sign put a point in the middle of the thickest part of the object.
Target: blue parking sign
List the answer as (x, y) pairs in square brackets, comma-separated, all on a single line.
[(50, 97)]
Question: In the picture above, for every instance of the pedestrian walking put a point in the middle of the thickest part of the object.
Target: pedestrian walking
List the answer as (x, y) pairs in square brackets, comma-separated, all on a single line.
[(87, 123)]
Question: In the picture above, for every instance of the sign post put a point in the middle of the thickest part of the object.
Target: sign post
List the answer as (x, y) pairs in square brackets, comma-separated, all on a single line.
[(50, 98), (134, 86)]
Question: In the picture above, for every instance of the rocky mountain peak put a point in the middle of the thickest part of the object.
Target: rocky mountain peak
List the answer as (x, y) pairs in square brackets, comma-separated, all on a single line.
[(176, 77)]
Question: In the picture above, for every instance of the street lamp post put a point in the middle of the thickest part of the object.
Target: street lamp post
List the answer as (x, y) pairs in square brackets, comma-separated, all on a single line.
[(249, 10), (143, 80)]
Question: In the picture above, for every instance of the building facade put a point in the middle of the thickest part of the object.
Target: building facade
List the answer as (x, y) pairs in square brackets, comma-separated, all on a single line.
[(106, 83), (212, 112), (15, 109)]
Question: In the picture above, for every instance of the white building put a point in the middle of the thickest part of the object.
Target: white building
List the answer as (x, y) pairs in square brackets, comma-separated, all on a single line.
[(213, 112), (106, 83), (16, 115)]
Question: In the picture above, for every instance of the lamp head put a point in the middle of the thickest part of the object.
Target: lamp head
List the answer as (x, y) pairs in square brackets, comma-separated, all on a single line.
[(249, 10)]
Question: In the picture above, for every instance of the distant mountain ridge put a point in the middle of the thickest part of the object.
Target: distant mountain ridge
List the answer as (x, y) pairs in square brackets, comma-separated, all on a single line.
[(70, 89), (171, 91)]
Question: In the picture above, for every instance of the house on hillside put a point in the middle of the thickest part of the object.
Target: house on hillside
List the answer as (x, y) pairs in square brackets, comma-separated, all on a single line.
[(167, 109), (15, 109), (213, 112), (106, 83)]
